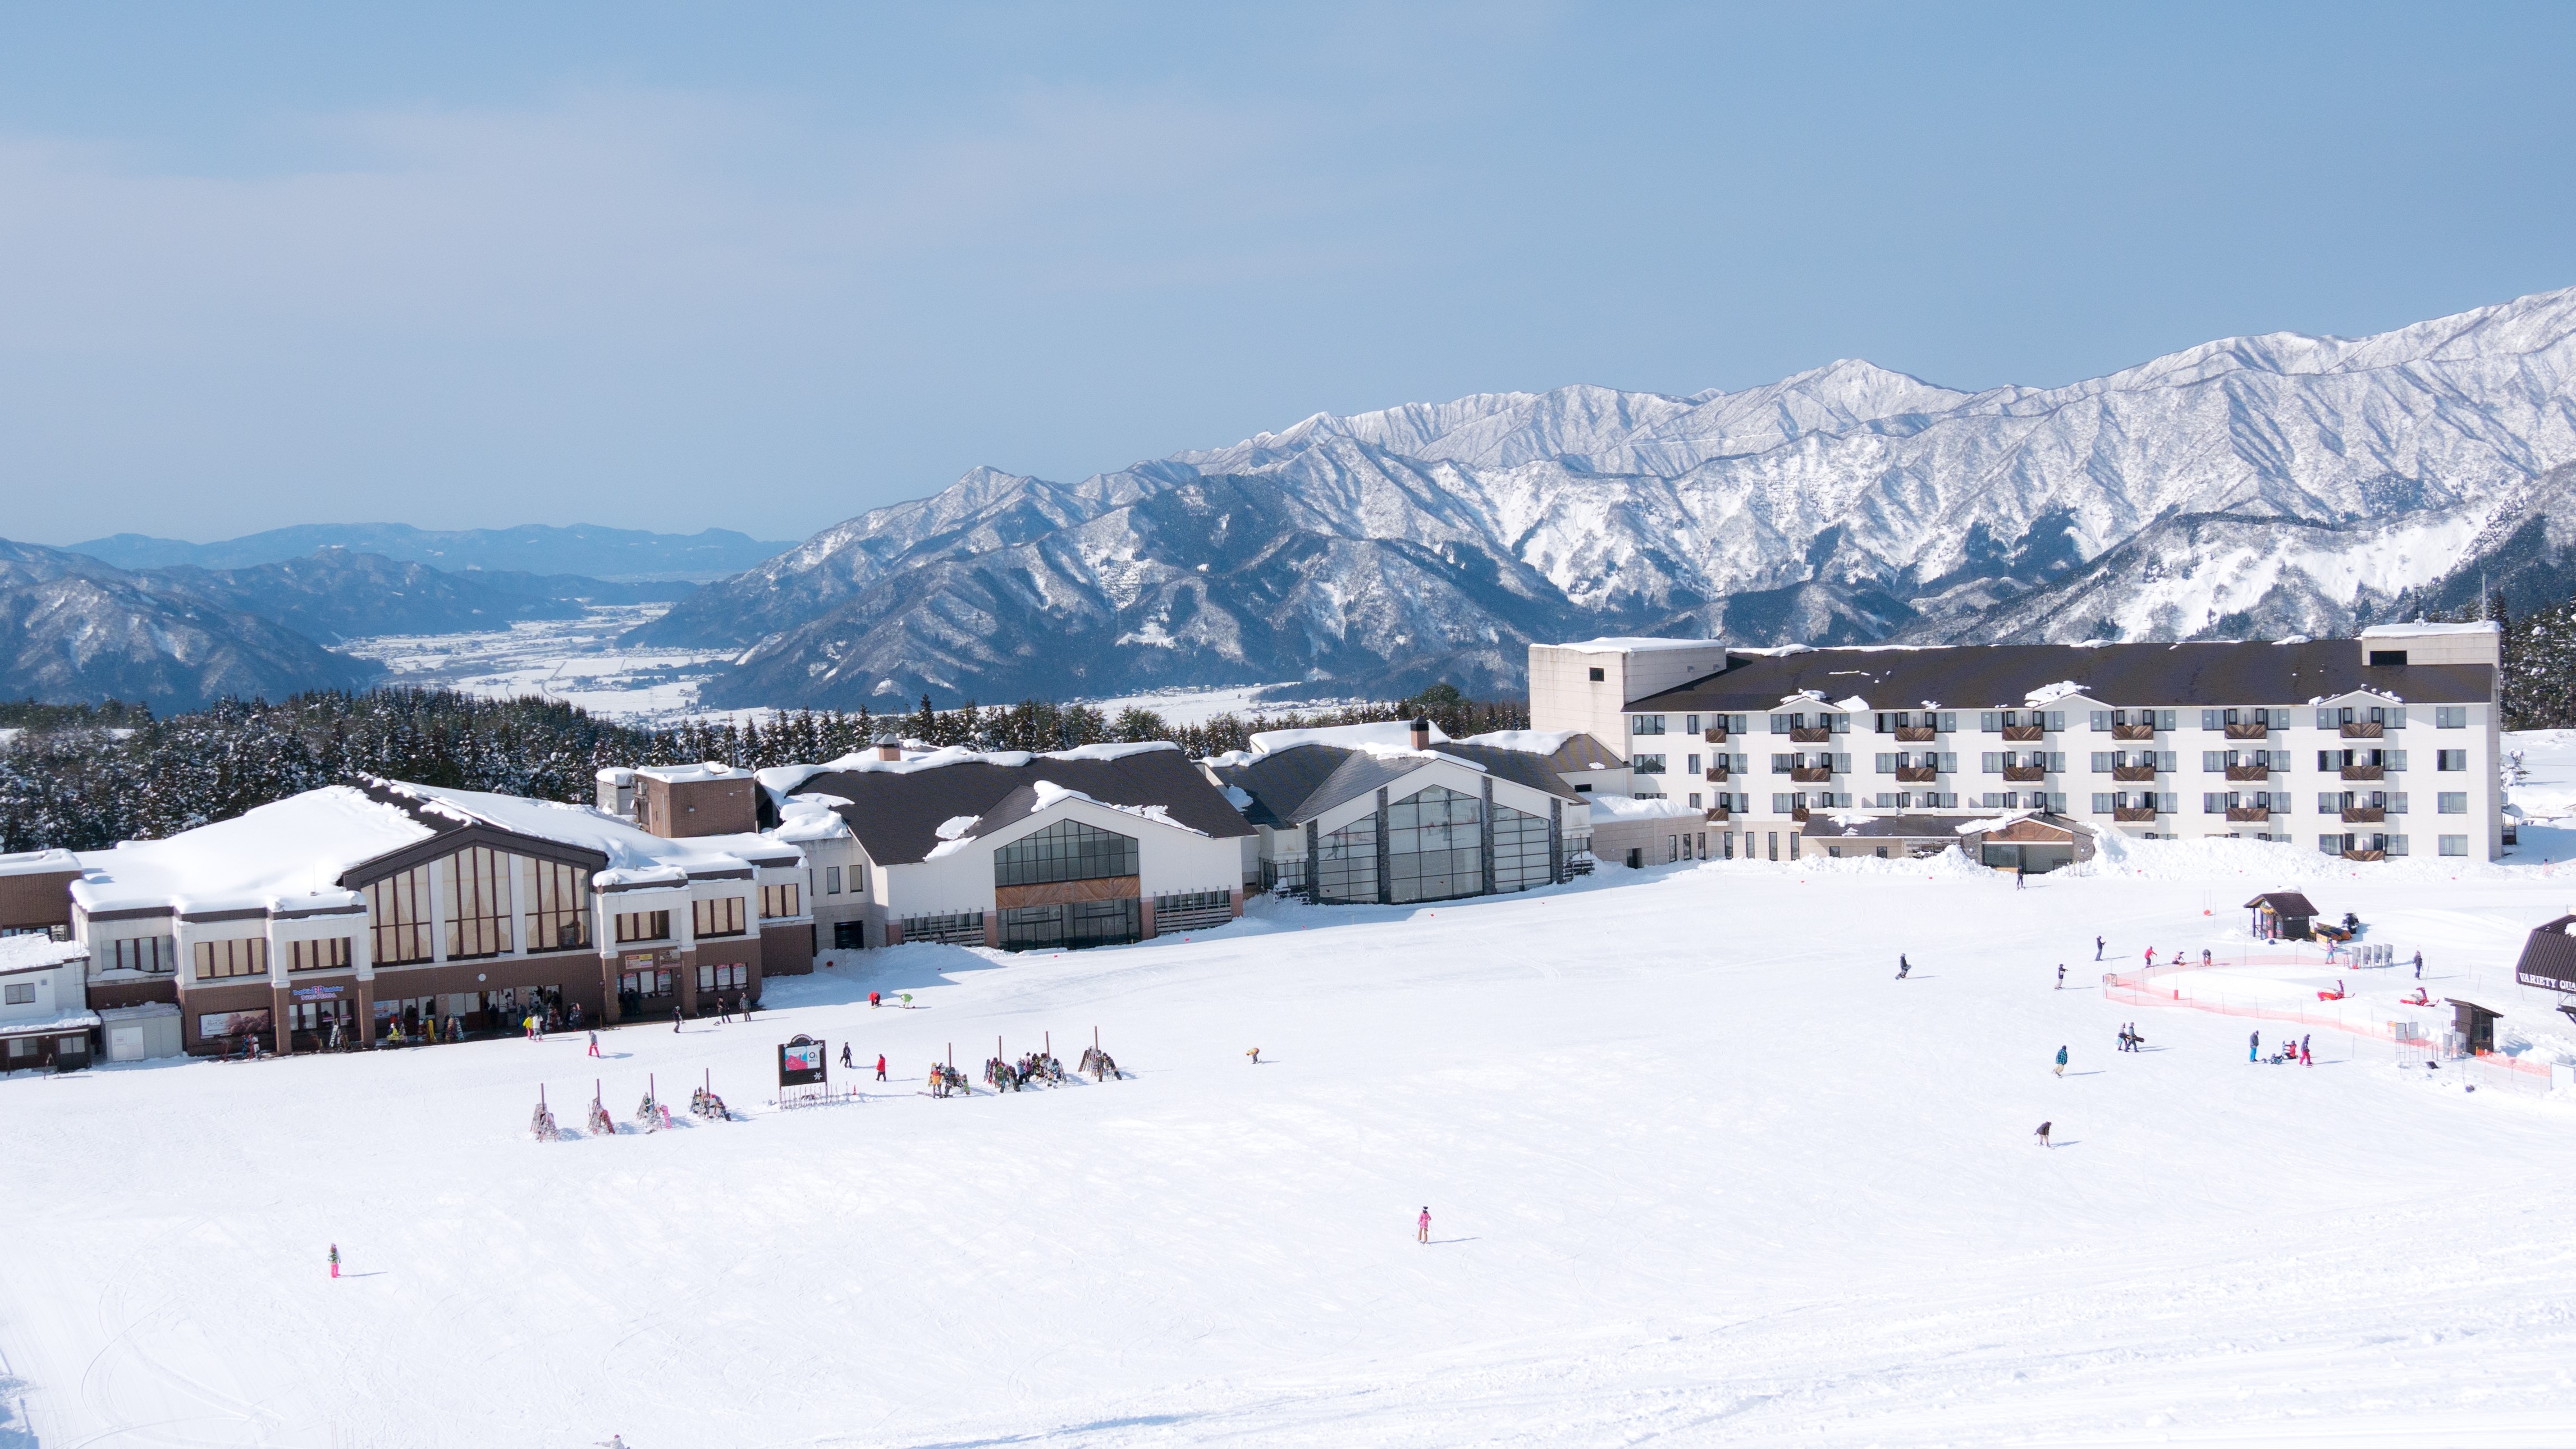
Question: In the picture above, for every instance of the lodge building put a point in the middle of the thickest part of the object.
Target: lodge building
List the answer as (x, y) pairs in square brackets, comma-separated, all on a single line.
[(2378, 746)]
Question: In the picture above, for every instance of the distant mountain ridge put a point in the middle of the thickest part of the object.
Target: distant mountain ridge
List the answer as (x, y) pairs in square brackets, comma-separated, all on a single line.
[(2248, 486), (83, 631), (612, 554)]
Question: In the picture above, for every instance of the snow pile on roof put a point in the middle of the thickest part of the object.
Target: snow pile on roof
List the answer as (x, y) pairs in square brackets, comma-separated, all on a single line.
[(1536, 742), (1855, 703), (2050, 692), (955, 827), (289, 853), (1049, 793), (1393, 734), (38, 862), (1238, 797), (782, 781), (1624, 645), (2425, 630), (1621, 807), (682, 774), (34, 953), (634, 854), (810, 817)]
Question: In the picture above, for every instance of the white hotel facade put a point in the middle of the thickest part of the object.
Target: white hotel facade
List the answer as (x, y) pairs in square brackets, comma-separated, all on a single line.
[(2382, 745)]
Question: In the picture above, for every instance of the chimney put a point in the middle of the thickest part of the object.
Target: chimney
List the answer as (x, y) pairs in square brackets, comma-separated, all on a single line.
[(889, 747), (1422, 732)]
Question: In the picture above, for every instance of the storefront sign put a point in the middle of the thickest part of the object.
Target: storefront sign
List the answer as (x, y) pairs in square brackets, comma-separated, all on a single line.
[(801, 1062), (318, 993), (215, 1024)]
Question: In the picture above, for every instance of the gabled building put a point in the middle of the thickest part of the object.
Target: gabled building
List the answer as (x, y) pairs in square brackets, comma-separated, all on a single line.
[(343, 914), (1090, 846), (1396, 812), (2385, 744), (45, 1019)]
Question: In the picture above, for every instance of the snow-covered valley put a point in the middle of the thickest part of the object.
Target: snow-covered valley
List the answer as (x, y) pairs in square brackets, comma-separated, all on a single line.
[(1700, 1171)]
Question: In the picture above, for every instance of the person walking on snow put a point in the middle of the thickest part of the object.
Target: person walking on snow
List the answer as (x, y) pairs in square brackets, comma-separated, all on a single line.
[(675, 1021), (2419, 965), (1902, 965), (2061, 1061), (2097, 948), (1422, 1229), (2061, 976), (881, 1066), (2043, 1133), (845, 1056), (2306, 1058), (2253, 1046), (335, 1260), (594, 1043)]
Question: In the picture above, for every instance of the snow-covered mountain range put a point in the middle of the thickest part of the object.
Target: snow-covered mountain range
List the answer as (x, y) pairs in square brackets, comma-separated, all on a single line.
[(2248, 486)]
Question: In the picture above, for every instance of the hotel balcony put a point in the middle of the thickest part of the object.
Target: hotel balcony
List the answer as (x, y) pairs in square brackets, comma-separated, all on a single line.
[(2365, 772), (1811, 775), (2249, 732), (2134, 774), (2030, 774), (2134, 815), (2364, 731), (2133, 732), (1811, 737), (2364, 815), (2248, 814), (2256, 773), (2017, 734), (1916, 775)]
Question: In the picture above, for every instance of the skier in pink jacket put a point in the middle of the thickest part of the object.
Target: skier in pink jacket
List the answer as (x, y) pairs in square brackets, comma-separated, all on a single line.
[(1422, 1230)]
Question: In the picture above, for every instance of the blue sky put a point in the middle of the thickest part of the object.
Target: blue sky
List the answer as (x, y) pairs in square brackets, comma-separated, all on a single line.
[(766, 267)]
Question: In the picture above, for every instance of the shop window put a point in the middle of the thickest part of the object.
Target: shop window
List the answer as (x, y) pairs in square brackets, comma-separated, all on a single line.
[(777, 901), (723, 978)]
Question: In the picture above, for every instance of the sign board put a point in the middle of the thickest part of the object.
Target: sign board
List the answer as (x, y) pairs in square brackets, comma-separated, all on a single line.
[(646, 960), (801, 1062), (318, 993)]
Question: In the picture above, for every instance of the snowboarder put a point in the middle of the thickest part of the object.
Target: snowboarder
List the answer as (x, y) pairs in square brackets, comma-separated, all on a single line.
[(2061, 1061), (2097, 948), (1255, 1054), (2419, 965), (845, 1056), (872, 1001), (2061, 976), (335, 1260), (594, 1043), (2254, 1046), (1422, 1229), (881, 1066), (2042, 1134), (1902, 965)]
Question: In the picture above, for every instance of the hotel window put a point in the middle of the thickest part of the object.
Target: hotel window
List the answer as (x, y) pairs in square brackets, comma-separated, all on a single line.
[(1646, 764), (777, 901), (2450, 759), (1346, 869), (719, 917), (1646, 724), (1066, 850), (329, 955), (2453, 802), (723, 978), (831, 880), (20, 993), (478, 882), (2450, 716), (643, 926), (559, 908), (2455, 845), (153, 953), (219, 960), (399, 907)]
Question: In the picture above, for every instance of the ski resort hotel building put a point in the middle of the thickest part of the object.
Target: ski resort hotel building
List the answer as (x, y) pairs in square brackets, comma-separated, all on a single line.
[(2365, 748)]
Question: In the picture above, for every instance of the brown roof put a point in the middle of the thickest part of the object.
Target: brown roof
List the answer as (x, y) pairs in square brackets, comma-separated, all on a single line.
[(2285, 903), (896, 814), (2549, 956)]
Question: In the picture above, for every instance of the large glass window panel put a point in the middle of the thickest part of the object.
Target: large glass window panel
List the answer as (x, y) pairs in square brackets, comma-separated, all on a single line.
[(398, 905), (1520, 849), (1346, 862), (1435, 848), (559, 913), (1066, 850), (478, 920)]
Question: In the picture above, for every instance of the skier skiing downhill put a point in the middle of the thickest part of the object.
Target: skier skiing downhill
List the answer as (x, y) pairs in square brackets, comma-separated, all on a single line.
[(1902, 965), (845, 1056), (2419, 965), (1422, 1229), (2253, 1046), (335, 1260), (2097, 948), (2042, 1134), (881, 1066), (2061, 976), (594, 1043), (2061, 1061)]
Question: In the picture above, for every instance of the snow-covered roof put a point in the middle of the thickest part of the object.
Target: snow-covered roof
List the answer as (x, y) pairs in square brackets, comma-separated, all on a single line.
[(38, 862), (1629, 645), (1392, 734), (1620, 807), (2050, 693), (2420, 631), (1536, 742), (287, 854), (682, 774), (74, 1020), (782, 781), (38, 953)]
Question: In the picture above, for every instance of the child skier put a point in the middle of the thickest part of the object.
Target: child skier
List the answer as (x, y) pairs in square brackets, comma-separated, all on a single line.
[(2061, 1061), (881, 1066), (1422, 1229), (594, 1043), (2254, 1046), (335, 1260)]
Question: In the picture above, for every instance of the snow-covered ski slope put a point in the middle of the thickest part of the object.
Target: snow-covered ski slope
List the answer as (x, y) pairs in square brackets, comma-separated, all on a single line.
[(1700, 1172)]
